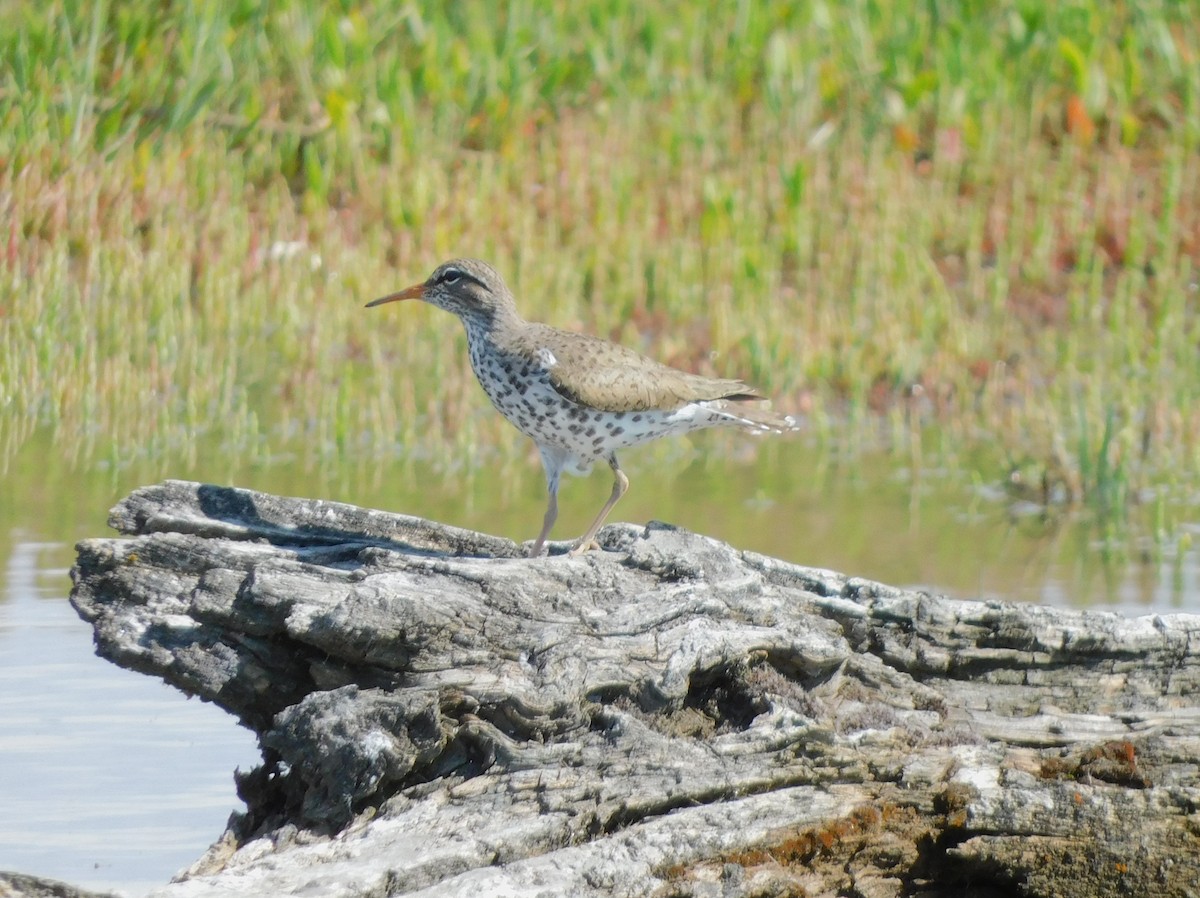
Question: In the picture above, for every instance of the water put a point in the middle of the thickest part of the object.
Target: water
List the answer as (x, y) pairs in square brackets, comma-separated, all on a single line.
[(109, 779)]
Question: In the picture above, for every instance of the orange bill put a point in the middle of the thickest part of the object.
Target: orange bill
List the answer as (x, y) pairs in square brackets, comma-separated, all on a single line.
[(416, 291)]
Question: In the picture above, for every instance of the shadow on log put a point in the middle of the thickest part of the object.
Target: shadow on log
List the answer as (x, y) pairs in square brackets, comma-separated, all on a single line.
[(668, 717)]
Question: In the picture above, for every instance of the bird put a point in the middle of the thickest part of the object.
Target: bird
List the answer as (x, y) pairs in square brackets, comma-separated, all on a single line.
[(579, 398)]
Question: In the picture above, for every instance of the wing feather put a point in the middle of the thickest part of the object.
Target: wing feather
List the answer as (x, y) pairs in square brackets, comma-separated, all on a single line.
[(610, 377)]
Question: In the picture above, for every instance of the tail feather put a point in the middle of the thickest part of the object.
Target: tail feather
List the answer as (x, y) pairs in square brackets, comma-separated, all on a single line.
[(754, 418)]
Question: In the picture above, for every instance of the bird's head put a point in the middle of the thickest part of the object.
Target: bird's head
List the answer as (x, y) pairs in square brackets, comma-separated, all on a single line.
[(469, 288)]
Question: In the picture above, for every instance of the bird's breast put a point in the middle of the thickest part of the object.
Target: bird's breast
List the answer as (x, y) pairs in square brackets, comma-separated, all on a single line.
[(520, 389)]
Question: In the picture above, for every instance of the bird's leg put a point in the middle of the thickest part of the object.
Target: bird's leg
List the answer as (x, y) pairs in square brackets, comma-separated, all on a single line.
[(547, 523), (552, 461), (620, 485)]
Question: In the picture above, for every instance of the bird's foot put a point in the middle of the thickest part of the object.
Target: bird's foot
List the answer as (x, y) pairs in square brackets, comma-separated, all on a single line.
[(581, 547)]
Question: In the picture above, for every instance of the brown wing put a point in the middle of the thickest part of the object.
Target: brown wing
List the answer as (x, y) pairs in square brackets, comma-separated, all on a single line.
[(610, 377)]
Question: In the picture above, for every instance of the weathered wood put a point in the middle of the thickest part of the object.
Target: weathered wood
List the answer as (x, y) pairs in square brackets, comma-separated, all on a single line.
[(20, 885), (670, 716)]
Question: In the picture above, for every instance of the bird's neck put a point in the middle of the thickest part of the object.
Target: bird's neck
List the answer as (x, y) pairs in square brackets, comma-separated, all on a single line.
[(500, 326)]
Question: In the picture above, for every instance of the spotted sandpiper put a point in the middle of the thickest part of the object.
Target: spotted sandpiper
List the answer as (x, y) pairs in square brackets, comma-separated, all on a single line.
[(579, 398)]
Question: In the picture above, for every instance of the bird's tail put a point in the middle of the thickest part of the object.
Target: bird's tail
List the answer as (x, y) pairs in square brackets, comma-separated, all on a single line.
[(753, 418)]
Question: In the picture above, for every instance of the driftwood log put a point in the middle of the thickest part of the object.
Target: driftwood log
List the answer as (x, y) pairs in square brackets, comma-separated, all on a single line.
[(439, 715)]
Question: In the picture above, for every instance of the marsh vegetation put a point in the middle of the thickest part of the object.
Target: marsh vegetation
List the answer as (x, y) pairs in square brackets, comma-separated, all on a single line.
[(961, 236)]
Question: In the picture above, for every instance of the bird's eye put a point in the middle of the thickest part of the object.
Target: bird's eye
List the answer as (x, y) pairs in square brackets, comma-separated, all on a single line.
[(451, 276)]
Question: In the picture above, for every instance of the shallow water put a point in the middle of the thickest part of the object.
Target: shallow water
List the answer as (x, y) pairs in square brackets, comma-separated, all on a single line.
[(112, 780), (108, 778)]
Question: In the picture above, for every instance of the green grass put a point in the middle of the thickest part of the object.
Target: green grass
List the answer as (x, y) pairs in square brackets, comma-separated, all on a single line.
[(966, 232)]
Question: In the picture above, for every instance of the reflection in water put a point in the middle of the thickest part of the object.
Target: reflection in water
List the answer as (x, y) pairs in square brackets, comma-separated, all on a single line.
[(110, 779)]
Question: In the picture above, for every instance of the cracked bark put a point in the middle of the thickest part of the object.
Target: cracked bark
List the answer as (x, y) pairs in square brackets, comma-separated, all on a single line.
[(439, 715)]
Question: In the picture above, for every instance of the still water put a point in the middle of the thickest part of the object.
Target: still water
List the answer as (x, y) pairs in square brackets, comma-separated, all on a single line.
[(112, 780)]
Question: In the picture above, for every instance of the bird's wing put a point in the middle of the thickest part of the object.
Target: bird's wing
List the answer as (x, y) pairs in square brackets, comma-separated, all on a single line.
[(613, 378)]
